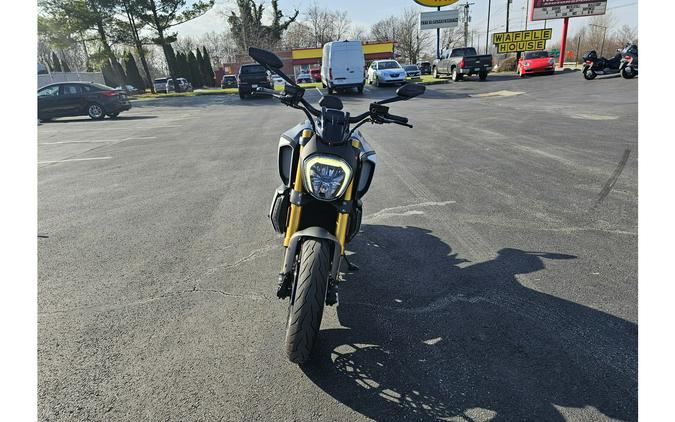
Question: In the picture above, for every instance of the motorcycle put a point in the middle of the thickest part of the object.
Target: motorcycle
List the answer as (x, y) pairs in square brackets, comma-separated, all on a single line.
[(326, 166), (629, 62), (594, 65)]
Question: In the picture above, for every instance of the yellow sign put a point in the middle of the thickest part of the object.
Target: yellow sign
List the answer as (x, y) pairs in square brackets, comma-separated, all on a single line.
[(316, 53), (511, 42), (435, 3)]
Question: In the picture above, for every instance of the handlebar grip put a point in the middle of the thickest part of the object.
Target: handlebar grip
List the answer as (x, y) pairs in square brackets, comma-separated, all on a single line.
[(396, 118)]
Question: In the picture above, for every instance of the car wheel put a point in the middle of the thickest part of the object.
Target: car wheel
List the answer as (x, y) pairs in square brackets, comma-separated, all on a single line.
[(114, 115), (360, 89), (456, 76), (377, 81), (482, 76), (96, 111), (331, 91), (435, 73), (44, 119)]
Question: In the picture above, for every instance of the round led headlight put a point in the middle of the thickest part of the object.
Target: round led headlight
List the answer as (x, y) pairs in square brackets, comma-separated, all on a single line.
[(326, 177)]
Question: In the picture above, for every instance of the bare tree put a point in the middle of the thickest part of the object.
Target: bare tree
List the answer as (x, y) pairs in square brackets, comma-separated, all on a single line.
[(384, 30), (298, 35), (411, 40), (327, 25), (358, 32)]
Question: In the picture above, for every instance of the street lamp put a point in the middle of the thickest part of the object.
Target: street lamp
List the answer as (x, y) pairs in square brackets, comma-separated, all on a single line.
[(604, 34)]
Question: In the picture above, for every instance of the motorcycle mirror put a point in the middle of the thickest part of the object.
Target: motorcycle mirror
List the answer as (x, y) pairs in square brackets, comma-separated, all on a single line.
[(409, 91), (265, 58)]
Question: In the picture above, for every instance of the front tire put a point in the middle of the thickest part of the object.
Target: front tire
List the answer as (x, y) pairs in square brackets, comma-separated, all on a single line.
[(435, 73), (306, 310), (627, 74), (589, 74), (96, 111), (456, 76)]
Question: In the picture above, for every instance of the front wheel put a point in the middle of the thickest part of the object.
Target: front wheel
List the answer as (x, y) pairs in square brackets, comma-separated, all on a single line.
[(456, 76), (627, 72), (306, 309), (589, 74), (377, 82), (360, 89), (435, 73)]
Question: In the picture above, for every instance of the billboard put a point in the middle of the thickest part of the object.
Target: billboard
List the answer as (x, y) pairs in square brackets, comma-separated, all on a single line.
[(435, 3), (439, 19), (557, 9), (512, 42)]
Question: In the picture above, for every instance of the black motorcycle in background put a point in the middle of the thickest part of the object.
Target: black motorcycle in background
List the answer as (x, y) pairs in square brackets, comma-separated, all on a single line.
[(594, 65), (624, 62), (629, 62)]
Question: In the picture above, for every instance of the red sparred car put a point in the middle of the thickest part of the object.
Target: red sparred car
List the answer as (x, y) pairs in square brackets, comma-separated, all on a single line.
[(315, 73), (536, 62)]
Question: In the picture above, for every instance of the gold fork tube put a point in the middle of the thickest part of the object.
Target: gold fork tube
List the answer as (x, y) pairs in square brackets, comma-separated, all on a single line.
[(296, 210)]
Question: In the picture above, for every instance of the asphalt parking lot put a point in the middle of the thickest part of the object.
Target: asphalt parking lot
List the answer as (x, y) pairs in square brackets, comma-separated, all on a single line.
[(498, 261)]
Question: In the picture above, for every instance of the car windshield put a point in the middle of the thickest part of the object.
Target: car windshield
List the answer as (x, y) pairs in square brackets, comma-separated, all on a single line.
[(229, 78), (410, 67), (256, 68), (388, 65), (160, 80), (536, 55)]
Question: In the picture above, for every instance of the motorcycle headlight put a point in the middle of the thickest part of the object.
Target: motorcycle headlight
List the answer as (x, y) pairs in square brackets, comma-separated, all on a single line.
[(326, 178)]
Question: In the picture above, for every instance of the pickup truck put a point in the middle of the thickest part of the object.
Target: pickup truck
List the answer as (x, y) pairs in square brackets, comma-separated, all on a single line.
[(462, 61), (250, 77)]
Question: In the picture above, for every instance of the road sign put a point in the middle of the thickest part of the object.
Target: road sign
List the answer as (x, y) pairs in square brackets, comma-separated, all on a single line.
[(512, 42), (435, 3), (558, 9), (439, 19)]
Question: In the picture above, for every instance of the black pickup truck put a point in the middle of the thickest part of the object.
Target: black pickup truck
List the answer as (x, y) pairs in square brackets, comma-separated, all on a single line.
[(250, 77), (462, 61)]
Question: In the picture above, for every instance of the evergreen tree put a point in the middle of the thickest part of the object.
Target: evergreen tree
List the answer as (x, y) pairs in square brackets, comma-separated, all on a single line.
[(56, 63), (209, 67), (200, 64), (66, 68), (195, 74), (184, 67), (133, 75)]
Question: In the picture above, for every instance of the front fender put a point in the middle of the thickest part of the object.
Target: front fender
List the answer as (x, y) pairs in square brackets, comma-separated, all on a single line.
[(315, 233)]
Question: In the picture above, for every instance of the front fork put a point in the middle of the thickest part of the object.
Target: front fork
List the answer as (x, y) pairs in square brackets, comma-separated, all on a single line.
[(285, 278)]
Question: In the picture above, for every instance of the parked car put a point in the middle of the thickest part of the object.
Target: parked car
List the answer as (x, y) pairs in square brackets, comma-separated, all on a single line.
[(80, 99), (278, 80), (160, 85), (412, 71), (425, 68), (460, 62), (228, 81), (250, 77), (184, 84), (532, 62), (129, 89), (315, 73), (342, 66), (386, 72), (303, 78)]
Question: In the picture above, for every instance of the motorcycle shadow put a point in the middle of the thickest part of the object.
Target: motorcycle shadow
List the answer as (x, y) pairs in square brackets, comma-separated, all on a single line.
[(429, 336)]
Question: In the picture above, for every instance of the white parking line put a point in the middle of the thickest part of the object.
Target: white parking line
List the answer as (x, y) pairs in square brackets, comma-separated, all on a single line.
[(74, 159), (80, 142), (96, 141)]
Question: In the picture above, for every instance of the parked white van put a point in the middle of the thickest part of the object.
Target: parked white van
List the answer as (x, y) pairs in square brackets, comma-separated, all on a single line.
[(343, 66)]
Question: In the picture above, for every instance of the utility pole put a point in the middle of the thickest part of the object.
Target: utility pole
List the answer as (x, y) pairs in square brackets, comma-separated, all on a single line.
[(487, 30), (527, 12), (604, 34), (508, 9), (466, 23), (438, 39)]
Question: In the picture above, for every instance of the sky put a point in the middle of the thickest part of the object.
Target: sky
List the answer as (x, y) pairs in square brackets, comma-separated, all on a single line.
[(367, 12)]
